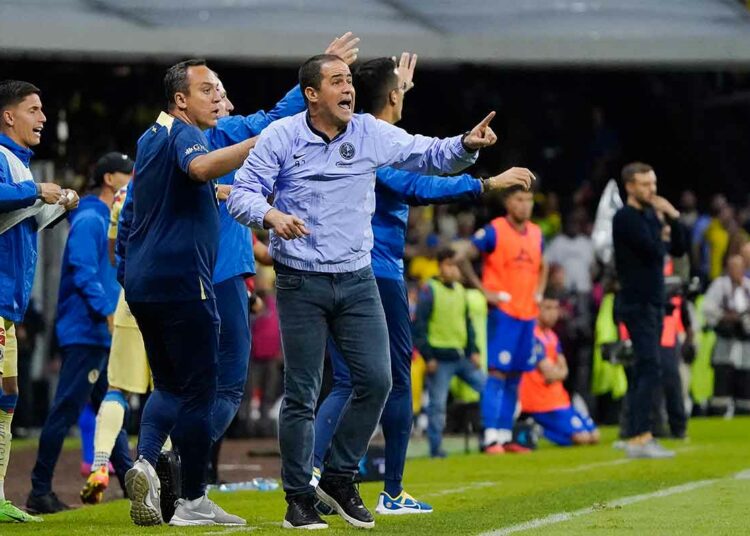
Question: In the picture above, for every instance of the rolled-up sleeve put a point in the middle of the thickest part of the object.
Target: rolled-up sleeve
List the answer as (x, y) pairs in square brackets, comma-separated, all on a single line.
[(254, 181), (398, 148)]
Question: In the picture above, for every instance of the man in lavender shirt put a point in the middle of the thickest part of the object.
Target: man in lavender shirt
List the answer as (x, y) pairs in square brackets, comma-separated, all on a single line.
[(320, 166)]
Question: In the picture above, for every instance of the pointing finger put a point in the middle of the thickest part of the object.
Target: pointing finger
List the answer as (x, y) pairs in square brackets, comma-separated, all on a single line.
[(486, 121)]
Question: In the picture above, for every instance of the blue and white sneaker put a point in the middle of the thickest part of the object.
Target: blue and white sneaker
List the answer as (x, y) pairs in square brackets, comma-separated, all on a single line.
[(401, 505)]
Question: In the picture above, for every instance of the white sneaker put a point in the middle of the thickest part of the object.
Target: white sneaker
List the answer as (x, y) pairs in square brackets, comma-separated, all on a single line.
[(403, 504), (143, 488), (651, 449), (202, 511)]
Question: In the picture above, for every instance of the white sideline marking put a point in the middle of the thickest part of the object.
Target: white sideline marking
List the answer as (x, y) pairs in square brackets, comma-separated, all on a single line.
[(463, 489), (616, 503), (584, 467), (239, 467), (229, 530)]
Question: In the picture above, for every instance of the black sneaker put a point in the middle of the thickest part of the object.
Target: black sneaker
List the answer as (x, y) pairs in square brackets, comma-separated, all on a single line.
[(341, 494), (45, 504), (168, 470), (301, 514)]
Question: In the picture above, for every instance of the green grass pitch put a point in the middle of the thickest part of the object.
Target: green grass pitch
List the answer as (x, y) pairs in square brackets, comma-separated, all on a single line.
[(704, 490)]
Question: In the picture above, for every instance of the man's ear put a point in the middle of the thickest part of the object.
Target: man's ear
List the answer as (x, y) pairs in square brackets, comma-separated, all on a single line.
[(180, 100), (311, 94), (8, 118), (393, 97)]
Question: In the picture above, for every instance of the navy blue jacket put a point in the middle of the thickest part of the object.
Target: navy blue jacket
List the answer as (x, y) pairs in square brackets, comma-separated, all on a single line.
[(88, 286)]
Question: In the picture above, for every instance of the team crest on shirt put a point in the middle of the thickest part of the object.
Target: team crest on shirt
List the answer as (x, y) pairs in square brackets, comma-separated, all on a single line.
[(505, 357), (347, 151), (93, 376)]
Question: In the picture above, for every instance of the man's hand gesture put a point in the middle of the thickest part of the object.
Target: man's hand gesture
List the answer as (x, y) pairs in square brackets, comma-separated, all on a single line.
[(345, 47), (405, 68), (286, 226), (480, 136), (515, 176)]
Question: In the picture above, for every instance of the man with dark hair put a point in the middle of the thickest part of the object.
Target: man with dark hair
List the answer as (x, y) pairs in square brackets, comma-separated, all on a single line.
[(169, 256), (514, 276), (542, 394), (25, 208), (321, 167), (235, 259), (444, 335), (384, 84), (640, 250), (85, 307)]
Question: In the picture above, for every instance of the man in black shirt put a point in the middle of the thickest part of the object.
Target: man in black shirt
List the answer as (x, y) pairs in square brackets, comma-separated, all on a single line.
[(641, 243)]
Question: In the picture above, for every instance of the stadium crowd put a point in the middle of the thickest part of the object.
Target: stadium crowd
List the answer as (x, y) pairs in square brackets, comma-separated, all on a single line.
[(512, 301)]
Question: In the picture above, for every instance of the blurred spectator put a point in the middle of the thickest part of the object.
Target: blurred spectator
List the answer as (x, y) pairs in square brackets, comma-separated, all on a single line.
[(444, 335), (542, 394), (671, 392), (700, 246), (424, 265), (574, 251), (727, 309), (266, 356), (547, 214)]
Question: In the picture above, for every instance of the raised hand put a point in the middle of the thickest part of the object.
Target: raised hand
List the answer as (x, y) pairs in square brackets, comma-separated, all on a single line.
[(286, 226), (481, 136), (405, 68), (515, 176), (345, 47), (660, 204)]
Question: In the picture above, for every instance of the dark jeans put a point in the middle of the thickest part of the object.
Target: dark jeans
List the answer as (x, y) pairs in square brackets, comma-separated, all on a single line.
[(397, 413), (83, 376), (347, 306), (644, 323)]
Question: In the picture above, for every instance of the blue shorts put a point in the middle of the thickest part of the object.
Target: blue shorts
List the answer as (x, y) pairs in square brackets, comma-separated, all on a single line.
[(563, 423), (510, 343)]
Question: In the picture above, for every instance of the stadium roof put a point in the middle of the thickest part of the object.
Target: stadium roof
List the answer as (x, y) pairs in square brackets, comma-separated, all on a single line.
[(530, 32)]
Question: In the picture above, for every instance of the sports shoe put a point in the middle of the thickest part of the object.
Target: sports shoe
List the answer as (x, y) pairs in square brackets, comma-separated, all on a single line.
[(341, 494), (45, 504), (515, 448), (494, 450), (93, 490), (651, 449), (401, 505), (301, 514), (169, 472), (202, 512), (12, 514), (143, 490)]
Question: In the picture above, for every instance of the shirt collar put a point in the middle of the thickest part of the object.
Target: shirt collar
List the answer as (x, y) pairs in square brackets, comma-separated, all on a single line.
[(23, 153), (315, 132)]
